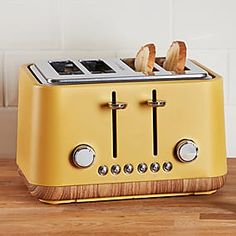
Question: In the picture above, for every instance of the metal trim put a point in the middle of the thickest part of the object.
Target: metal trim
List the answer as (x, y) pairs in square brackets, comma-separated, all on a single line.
[(123, 73)]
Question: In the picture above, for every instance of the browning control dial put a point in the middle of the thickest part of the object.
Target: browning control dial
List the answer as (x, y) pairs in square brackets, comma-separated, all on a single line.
[(186, 150), (83, 156)]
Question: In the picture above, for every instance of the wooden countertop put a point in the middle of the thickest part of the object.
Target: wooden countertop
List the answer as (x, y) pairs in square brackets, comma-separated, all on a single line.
[(22, 214)]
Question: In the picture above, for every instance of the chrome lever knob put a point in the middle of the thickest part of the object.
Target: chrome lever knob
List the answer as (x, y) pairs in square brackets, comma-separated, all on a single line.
[(117, 105), (157, 103)]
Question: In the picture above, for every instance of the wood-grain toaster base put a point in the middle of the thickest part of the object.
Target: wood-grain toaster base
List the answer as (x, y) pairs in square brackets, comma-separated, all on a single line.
[(126, 197), (130, 190)]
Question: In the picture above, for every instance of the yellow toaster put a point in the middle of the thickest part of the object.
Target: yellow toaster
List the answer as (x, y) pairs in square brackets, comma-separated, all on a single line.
[(94, 129)]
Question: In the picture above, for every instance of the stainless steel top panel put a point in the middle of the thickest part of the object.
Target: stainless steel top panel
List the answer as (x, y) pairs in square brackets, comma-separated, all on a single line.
[(74, 71)]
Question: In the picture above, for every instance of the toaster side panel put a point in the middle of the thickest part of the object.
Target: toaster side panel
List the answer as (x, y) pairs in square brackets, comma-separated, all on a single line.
[(25, 125)]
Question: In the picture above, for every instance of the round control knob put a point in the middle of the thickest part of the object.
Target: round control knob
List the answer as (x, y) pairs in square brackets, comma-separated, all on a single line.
[(142, 168), (83, 156), (186, 150)]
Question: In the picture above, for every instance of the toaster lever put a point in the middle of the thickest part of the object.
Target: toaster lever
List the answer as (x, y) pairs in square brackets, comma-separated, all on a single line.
[(117, 105), (157, 103)]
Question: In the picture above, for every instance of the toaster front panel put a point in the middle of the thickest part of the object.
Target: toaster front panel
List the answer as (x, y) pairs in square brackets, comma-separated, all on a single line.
[(108, 133)]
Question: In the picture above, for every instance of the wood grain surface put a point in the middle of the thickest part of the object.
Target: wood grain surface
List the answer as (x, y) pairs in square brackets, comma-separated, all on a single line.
[(124, 189), (22, 214)]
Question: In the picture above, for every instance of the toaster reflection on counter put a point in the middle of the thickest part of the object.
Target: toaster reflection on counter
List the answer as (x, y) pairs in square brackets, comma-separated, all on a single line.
[(95, 129)]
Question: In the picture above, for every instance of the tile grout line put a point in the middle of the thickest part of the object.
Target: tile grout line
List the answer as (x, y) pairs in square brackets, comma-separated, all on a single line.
[(4, 86), (229, 99), (171, 19), (228, 79), (1, 81), (62, 26)]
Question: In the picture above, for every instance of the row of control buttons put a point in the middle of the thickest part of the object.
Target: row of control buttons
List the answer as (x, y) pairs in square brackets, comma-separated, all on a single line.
[(128, 168)]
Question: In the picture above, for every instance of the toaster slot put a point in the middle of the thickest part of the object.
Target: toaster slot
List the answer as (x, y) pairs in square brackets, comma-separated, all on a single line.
[(114, 106), (114, 126), (130, 62), (191, 71), (160, 61), (155, 103), (65, 67), (154, 122), (97, 67)]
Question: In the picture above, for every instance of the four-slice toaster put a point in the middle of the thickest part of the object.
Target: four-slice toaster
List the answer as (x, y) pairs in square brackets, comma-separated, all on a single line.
[(97, 130)]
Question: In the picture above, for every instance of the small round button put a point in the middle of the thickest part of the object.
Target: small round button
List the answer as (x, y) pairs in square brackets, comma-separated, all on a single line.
[(83, 156), (115, 169), (128, 168), (102, 170), (167, 166), (186, 150), (142, 168), (155, 167)]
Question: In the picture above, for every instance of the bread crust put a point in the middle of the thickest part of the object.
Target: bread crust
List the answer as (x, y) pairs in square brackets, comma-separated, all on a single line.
[(145, 59), (176, 57)]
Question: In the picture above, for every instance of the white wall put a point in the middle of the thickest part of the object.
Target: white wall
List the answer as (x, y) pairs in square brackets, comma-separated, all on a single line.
[(33, 29)]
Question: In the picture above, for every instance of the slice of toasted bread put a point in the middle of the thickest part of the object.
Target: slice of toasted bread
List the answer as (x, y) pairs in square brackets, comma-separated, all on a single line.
[(145, 59), (176, 57)]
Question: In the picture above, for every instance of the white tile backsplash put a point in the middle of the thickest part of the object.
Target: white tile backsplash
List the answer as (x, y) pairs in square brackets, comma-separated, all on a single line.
[(115, 25), (8, 123), (1, 80), (30, 24), (205, 24), (230, 118), (133, 52), (232, 76), (35, 30)]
